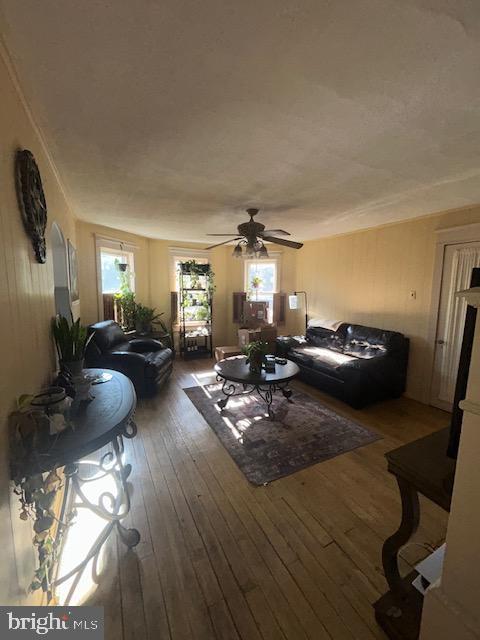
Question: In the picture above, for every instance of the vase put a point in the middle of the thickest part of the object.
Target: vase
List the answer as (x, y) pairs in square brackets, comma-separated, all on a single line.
[(255, 364), (143, 328), (81, 383), (75, 367)]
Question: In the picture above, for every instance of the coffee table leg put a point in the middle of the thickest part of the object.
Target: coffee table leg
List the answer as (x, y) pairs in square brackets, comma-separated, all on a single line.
[(267, 396), (287, 392), (228, 390), (223, 402)]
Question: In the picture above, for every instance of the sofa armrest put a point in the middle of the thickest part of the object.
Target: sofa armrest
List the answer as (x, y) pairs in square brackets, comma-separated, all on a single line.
[(142, 345), (384, 371)]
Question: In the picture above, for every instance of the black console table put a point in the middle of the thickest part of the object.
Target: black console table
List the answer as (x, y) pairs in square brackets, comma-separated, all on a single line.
[(102, 422), (419, 467)]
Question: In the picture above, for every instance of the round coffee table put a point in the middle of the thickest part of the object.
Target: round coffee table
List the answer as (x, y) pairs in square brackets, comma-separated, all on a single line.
[(235, 371)]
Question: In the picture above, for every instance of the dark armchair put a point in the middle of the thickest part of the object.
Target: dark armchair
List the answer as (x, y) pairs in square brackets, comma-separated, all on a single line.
[(145, 361)]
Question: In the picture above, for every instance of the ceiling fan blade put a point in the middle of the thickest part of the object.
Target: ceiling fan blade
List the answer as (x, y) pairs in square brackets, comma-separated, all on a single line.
[(222, 234), (275, 232), (285, 243), (225, 242)]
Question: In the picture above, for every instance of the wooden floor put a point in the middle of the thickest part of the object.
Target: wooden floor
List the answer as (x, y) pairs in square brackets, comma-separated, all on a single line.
[(219, 558)]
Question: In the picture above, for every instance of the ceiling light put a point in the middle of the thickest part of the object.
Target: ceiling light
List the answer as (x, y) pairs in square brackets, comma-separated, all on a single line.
[(263, 253), (237, 252)]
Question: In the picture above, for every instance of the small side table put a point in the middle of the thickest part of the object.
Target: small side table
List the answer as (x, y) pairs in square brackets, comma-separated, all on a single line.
[(422, 467), (165, 338)]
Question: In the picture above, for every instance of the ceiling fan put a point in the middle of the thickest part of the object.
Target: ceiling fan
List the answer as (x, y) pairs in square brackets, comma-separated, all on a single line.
[(251, 236)]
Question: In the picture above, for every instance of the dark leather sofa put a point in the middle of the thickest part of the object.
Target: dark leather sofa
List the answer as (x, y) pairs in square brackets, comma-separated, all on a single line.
[(145, 361), (356, 364)]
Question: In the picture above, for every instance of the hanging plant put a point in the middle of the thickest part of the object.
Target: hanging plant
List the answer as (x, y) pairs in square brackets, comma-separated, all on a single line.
[(37, 498)]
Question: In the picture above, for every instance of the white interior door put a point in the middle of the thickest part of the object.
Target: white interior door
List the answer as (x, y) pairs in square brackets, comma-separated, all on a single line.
[(459, 260)]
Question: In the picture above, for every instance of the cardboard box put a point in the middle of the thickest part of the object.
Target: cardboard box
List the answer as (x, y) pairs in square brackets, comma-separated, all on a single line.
[(226, 352), (245, 336)]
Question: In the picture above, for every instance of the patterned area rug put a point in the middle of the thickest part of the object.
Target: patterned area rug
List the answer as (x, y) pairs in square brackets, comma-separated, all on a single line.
[(303, 432)]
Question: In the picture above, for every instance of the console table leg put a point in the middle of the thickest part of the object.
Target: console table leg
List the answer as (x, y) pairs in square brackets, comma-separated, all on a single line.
[(392, 545)]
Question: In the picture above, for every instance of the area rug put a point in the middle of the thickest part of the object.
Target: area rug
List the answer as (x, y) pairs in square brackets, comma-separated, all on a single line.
[(302, 433)]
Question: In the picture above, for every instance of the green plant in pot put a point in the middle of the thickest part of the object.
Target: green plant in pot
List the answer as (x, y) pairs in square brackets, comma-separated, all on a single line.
[(145, 317), (203, 314), (71, 341), (256, 283), (256, 352)]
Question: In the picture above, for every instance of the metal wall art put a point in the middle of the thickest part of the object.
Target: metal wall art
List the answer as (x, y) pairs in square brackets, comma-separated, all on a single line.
[(31, 200)]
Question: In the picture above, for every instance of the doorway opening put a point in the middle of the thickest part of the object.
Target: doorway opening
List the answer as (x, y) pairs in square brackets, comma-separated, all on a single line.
[(458, 262), (60, 272)]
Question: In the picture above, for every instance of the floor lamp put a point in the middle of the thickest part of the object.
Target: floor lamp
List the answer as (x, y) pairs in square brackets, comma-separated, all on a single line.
[(293, 304)]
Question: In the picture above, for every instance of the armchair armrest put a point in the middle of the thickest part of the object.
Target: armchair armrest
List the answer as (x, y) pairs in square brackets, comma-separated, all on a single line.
[(127, 362), (142, 345)]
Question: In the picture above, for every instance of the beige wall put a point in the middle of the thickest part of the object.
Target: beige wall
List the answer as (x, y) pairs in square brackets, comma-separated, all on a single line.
[(366, 277), (27, 306)]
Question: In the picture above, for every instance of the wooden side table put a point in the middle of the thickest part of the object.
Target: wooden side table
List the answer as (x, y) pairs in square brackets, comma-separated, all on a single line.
[(422, 467)]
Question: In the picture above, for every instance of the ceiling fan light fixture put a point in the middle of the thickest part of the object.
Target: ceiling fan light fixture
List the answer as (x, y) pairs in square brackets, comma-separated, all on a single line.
[(237, 252), (263, 253)]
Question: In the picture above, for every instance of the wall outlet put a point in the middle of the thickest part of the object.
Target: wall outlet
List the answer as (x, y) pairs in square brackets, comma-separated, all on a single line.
[(413, 295)]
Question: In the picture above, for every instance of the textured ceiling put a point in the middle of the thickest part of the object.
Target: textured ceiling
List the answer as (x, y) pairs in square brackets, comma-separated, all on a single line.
[(168, 118)]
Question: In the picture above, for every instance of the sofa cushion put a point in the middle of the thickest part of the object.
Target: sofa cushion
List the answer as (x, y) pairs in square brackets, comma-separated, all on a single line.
[(369, 342), (297, 355), (327, 361), (321, 337)]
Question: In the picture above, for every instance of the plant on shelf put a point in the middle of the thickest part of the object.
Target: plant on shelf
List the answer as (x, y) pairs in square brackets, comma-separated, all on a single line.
[(255, 352), (202, 314), (195, 270), (195, 281), (71, 342), (187, 301)]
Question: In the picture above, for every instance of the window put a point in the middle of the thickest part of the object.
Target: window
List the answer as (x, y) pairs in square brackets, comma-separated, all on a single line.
[(261, 282), (112, 277)]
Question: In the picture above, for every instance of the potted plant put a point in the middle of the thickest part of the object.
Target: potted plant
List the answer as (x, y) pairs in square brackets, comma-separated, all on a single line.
[(145, 317), (71, 342), (255, 352), (202, 314), (255, 284)]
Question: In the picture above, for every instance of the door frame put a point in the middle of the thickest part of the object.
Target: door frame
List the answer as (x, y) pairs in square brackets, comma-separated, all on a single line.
[(443, 238)]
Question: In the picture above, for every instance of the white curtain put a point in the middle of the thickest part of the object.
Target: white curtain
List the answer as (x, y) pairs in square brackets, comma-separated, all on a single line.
[(464, 260)]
